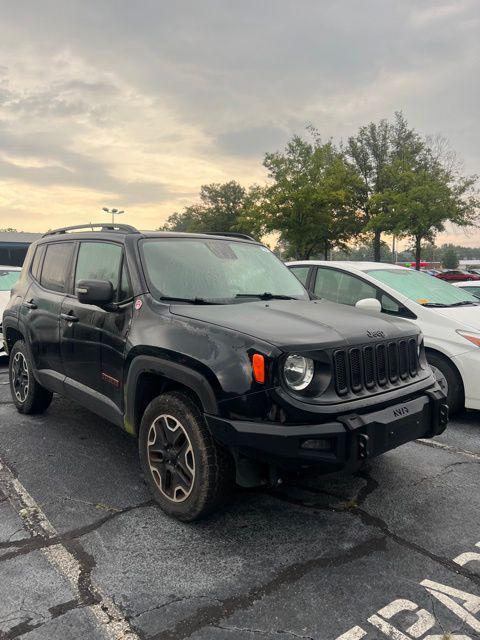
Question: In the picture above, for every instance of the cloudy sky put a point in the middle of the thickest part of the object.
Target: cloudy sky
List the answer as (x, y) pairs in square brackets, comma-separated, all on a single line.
[(136, 104)]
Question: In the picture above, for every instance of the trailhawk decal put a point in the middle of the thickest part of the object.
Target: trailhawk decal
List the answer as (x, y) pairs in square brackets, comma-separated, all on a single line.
[(460, 603)]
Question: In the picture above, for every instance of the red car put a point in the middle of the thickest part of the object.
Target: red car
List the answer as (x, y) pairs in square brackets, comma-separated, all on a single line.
[(457, 276)]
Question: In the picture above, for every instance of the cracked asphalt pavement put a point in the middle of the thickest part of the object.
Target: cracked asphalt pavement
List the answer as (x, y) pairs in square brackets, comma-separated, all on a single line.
[(84, 553)]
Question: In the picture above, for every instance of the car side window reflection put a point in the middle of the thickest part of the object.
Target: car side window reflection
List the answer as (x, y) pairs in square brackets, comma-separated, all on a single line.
[(341, 287), (344, 288), (99, 261)]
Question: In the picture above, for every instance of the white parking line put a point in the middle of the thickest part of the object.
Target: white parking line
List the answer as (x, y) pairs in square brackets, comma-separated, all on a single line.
[(106, 615)]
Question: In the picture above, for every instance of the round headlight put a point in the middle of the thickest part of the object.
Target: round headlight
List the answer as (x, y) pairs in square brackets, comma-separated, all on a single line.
[(298, 371)]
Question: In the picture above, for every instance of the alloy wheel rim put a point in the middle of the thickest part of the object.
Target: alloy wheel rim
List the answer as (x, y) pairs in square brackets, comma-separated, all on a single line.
[(21, 377), (170, 458)]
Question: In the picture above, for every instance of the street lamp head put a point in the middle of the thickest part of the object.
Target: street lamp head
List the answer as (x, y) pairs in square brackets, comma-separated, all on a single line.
[(105, 209)]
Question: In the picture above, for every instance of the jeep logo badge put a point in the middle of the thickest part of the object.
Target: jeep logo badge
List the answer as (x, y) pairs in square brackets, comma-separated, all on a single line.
[(375, 334), (399, 412)]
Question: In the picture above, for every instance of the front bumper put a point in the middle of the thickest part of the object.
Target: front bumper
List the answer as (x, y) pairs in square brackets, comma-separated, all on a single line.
[(340, 444), (3, 351)]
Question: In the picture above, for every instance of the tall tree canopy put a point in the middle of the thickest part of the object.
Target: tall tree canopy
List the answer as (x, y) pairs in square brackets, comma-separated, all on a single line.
[(312, 197), (425, 194), (225, 207), (372, 152)]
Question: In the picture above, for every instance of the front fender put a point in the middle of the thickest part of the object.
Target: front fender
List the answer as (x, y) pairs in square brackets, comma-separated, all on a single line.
[(172, 371)]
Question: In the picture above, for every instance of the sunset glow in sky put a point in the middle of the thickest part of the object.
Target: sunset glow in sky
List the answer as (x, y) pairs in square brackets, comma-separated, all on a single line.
[(135, 105)]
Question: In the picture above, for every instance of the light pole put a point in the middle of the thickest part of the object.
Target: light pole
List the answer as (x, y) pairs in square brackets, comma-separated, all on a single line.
[(114, 212)]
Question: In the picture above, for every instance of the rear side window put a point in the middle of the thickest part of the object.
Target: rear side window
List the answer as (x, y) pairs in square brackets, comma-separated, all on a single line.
[(99, 261), (37, 261), (55, 265)]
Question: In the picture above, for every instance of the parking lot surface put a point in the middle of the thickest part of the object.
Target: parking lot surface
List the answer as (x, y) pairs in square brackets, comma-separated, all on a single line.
[(393, 552)]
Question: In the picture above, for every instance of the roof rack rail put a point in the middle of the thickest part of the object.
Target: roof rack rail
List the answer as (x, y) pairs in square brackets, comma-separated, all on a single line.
[(228, 234), (104, 226)]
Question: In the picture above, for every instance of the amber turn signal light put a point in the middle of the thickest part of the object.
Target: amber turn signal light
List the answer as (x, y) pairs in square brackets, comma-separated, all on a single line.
[(258, 365)]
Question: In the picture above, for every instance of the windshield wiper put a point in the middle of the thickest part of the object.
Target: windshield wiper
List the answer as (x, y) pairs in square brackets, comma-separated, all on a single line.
[(265, 296), (189, 300), (463, 303), (434, 304)]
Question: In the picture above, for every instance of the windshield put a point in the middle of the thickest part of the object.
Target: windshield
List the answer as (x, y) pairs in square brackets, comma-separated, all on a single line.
[(204, 269), (422, 288), (8, 278)]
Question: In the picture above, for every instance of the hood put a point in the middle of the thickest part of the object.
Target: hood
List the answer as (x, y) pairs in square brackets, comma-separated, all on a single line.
[(466, 316), (300, 323)]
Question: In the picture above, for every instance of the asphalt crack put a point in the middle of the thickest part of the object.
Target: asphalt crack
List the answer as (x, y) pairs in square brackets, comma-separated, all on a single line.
[(354, 508), (27, 545), (273, 632), (213, 614), (449, 448)]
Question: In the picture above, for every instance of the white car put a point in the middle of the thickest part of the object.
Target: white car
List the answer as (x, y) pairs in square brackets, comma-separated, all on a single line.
[(448, 316), (8, 277), (472, 286)]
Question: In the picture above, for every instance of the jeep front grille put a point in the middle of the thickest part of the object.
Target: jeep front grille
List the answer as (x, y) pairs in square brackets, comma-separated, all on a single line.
[(370, 367)]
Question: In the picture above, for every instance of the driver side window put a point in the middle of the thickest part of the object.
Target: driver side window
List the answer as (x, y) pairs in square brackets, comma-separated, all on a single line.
[(99, 261), (345, 288), (341, 287)]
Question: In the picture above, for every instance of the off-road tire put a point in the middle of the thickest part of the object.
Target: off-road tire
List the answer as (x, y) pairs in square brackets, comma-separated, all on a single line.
[(455, 393), (214, 467), (36, 398)]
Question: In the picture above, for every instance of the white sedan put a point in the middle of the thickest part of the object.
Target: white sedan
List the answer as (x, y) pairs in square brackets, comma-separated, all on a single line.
[(472, 286), (448, 316), (8, 277)]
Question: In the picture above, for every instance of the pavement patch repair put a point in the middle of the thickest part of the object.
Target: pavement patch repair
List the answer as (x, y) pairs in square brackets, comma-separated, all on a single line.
[(393, 552)]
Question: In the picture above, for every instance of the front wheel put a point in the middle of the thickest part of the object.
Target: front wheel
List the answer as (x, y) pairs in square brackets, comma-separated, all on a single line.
[(449, 380), (28, 395), (189, 474)]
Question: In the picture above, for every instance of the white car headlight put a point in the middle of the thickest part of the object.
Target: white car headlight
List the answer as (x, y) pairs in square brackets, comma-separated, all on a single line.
[(298, 371), (471, 336)]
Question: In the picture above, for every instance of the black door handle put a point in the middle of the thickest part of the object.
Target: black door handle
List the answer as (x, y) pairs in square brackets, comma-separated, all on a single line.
[(68, 317), (30, 304)]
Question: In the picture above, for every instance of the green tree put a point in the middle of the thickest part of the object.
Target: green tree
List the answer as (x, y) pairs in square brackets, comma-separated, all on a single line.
[(425, 195), (312, 197), (372, 151), (227, 207), (364, 252), (450, 258)]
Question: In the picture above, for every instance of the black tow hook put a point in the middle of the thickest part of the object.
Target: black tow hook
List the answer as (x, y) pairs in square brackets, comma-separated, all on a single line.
[(363, 446)]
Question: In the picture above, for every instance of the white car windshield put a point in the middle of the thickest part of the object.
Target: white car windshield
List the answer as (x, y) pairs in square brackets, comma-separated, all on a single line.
[(8, 278), (202, 269), (422, 288)]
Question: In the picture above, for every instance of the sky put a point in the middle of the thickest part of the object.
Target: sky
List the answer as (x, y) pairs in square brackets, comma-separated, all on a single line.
[(135, 105)]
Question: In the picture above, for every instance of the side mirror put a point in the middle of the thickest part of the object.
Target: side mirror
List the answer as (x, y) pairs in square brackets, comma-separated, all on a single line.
[(98, 292), (369, 304)]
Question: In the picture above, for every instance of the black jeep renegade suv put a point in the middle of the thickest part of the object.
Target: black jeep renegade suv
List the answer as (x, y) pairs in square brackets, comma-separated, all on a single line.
[(209, 350)]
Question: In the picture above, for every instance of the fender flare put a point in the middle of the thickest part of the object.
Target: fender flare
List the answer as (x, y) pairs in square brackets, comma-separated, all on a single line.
[(171, 371)]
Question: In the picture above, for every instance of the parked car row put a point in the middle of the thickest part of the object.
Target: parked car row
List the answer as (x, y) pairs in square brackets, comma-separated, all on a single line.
[(211, 352), (457, 275), (448, 316)]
